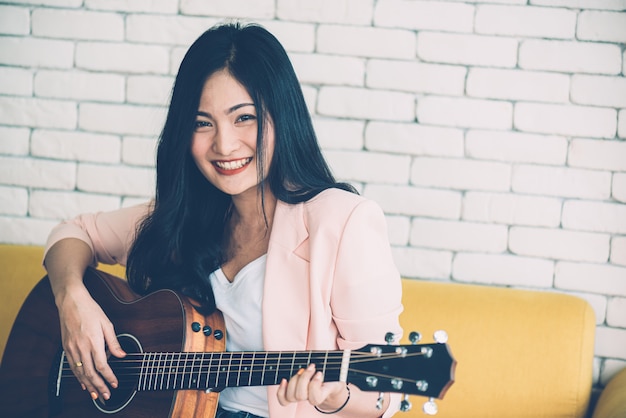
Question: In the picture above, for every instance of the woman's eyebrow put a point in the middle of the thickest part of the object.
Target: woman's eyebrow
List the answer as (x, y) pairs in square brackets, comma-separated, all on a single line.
[(228, 112)]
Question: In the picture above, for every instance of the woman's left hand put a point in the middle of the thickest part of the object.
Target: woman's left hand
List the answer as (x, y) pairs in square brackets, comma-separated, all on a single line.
[(308, 385)]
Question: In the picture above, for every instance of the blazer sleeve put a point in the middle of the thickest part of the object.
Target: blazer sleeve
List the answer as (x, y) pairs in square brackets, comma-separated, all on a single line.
[(108, 234), (367, 289)]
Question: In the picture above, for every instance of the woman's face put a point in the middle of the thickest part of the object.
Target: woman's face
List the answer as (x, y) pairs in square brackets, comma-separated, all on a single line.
[(224, 141)]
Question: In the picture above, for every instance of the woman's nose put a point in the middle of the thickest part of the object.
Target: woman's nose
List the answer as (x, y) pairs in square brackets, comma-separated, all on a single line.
[(225, 141)]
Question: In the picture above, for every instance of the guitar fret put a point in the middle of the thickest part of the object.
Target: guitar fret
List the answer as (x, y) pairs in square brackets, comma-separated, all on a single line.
[(264, 368)]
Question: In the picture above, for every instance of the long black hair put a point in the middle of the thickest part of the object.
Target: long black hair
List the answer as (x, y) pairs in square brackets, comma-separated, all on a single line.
[(180, 243)]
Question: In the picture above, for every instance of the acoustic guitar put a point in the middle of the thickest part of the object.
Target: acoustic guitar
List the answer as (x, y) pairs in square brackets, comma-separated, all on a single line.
[(176, 364)]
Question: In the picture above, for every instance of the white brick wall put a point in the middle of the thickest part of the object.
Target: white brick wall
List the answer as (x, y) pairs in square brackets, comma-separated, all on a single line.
[(493, 134)]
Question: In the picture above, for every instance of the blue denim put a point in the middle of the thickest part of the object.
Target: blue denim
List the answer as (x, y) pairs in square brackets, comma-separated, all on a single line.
[(222, 413)]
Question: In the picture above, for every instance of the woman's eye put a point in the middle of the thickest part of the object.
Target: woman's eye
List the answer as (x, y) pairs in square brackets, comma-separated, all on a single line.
[(202, 124), (245, 118)]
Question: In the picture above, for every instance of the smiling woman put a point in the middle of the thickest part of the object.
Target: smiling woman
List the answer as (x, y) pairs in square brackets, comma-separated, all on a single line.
[(247, 220)]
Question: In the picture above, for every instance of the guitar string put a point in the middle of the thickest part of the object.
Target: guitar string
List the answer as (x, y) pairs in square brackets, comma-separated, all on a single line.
[(162, 368)]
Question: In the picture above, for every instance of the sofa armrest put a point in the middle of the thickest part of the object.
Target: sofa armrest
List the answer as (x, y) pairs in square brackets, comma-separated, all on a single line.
[(612, 401)]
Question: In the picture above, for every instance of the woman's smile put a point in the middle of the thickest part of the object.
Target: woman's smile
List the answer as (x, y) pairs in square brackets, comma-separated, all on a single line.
[(232, 167)]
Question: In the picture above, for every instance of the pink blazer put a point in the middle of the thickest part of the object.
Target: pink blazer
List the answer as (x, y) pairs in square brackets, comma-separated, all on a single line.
[(330, 280)]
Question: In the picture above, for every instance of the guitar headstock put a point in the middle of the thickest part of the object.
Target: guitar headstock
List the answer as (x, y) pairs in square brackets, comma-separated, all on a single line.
[(413, 369)]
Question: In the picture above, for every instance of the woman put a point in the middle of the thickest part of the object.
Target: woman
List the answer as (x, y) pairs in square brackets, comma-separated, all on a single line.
[(247, 218)]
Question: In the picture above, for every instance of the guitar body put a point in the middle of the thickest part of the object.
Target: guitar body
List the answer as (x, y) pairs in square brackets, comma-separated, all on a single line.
[(33, 363)]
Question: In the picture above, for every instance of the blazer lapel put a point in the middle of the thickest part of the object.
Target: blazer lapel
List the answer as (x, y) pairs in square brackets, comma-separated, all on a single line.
[(286, 297)]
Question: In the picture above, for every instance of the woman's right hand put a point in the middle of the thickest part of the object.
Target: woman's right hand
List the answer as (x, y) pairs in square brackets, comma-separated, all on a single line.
[(87, 334)]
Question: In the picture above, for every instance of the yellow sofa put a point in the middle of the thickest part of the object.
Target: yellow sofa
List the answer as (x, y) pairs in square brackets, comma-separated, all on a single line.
[(519, 353)]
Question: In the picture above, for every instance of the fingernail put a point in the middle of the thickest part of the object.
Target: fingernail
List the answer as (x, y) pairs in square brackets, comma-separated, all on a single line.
[(114, 385), (300, 372), (83, 386), (106, 396), (94, 395), (318, 376), (311, 367)]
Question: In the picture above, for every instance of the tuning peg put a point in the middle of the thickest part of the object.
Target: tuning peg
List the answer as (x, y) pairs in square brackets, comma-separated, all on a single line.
[(405, 405), (430, 407), (390, 337), (415, 337), (441, 336)]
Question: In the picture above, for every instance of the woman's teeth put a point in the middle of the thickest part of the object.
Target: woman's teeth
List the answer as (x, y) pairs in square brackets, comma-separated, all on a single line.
[(233, 165)]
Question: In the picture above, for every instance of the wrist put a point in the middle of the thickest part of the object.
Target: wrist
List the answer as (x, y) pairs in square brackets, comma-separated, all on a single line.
[(328, 408)]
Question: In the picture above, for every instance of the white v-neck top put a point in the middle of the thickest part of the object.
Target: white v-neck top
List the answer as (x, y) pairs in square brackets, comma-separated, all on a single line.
[(240, 303)]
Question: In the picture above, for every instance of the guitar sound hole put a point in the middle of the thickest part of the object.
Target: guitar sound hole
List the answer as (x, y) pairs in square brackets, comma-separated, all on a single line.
[(127, 373)]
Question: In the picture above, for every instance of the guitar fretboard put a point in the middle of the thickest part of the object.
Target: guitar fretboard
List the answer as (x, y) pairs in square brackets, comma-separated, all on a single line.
[(174, 371)]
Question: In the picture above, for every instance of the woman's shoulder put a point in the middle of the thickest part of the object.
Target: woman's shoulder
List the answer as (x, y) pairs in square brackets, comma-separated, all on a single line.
[(339, 204)]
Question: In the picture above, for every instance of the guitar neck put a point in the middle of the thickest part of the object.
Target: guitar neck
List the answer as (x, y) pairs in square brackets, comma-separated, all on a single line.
[(218, 370)]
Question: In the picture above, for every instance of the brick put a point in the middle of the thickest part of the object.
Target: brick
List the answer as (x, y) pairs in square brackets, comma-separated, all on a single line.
[(516, 147), (34, 52), (357, 166), (339, 133), (14, 20), (139, 151), (366, 41), (458, 236), (24, 231), (47, 204), (75, 146), (260, 9), (77, 24), (604, 26), (570, 56), (526, 21), (512, 209), (361, 103), (616, 313), (414, 139), (310, 98), (294, 36), (618, 251), (398, 228), (41, 113), (424, 15), (561, 181), (115, 180), (350, 12), (16, 81), (150, 90), (79, 85), (460, 174), (122, 119), (611, 342), (416, 201), (602, 155), (594, 216), (150, 6), (559, 244), (566, 120), (14, 141), (609, 369), (421, 263), (494, 83), (29, 172), (173, 29), (329, 69), (416, 77), (122, 57), (599, 90), (621, 123), (14, 201), (618, 190), (583, 4), (465, 113), (503, 270), (452, 48), (53, 3)]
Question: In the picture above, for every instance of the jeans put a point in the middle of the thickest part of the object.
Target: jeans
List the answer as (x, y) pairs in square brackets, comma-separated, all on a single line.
[(222, 413)]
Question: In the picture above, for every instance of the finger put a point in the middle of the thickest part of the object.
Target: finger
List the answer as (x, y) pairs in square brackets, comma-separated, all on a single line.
[(281, 394), (317, 394), (101, 360), (302, 384)]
